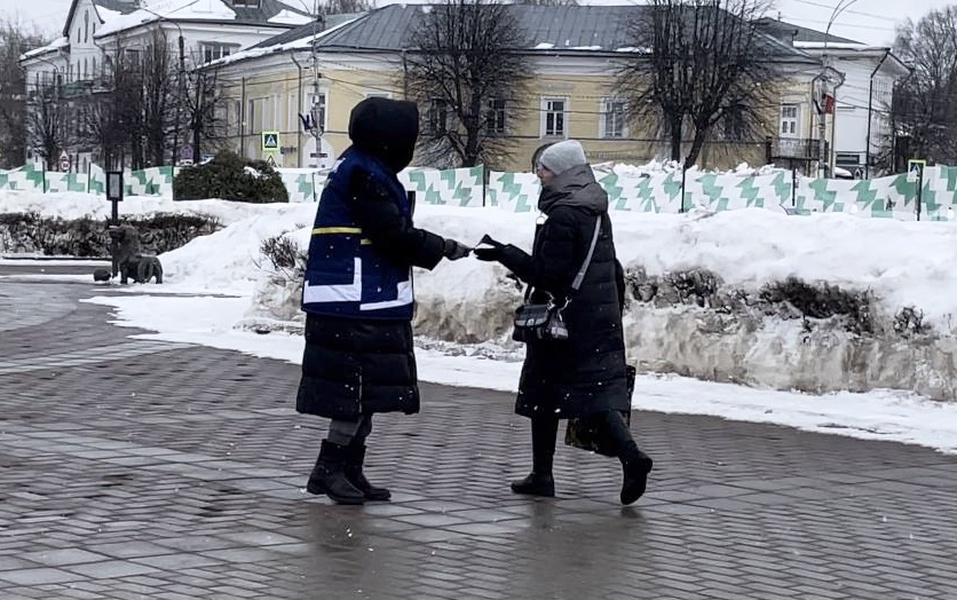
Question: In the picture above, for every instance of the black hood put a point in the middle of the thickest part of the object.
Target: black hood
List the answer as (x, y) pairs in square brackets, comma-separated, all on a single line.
[(574, 187), (387, 129)]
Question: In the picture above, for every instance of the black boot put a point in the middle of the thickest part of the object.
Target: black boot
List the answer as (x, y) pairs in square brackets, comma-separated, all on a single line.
[(328, 476), (535, 484), (355, 457), (540, 481), (636, 466)]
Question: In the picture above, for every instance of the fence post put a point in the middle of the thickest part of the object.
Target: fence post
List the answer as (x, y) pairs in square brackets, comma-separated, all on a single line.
[(794, 186), (681, 208)]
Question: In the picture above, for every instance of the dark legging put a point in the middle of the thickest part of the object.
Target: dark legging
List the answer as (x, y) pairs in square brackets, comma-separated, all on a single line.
[(545, 427)]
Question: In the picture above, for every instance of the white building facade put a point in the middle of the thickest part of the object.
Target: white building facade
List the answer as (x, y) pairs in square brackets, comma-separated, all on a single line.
[(195, 32)]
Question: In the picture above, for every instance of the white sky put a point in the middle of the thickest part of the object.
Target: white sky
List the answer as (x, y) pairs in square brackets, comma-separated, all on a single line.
[(900, 261), (869, 21)]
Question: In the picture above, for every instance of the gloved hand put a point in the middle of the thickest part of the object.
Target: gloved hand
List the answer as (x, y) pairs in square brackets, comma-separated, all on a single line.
[(488, 249), (455, 250)]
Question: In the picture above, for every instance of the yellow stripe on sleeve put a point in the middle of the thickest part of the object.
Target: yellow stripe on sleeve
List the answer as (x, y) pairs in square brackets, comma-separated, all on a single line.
[(328, 230)]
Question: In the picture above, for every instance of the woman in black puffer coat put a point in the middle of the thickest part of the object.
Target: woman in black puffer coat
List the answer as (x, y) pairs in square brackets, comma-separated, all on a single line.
[(585, 375)]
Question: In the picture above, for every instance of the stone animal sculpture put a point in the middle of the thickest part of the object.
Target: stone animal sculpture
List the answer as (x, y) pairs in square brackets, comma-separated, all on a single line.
[(127, 260)]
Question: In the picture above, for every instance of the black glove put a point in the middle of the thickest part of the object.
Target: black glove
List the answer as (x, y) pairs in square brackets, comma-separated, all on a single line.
[(455, 250), (488, 249)]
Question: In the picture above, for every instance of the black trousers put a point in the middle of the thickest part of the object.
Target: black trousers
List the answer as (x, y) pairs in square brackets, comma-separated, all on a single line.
[(545, 428)]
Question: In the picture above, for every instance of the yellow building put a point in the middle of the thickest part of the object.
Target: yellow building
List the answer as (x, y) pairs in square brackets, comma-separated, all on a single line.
[(575, 52)]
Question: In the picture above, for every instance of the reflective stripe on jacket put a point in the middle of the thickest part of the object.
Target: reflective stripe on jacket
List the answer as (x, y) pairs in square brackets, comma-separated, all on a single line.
[(345, 274)]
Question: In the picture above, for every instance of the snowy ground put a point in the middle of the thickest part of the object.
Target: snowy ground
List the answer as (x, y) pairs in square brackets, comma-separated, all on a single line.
[(217, 282)]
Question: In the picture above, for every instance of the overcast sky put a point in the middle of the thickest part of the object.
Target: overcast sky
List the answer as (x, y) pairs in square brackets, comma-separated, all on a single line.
[(868, 21)]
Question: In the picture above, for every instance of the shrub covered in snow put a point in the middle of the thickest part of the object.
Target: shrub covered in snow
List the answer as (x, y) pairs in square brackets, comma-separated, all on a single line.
[(34, 233), (230, 177)]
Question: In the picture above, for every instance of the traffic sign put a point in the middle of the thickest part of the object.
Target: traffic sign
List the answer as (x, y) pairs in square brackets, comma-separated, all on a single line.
[(915, 169), (270, 141), (64, 161)]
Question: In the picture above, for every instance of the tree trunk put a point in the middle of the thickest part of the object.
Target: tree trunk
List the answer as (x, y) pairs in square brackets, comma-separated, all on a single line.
[(676, 131), (697, 144)]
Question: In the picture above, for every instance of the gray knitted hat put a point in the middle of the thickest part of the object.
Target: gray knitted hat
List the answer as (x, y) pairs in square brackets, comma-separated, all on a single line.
[(562, 156)]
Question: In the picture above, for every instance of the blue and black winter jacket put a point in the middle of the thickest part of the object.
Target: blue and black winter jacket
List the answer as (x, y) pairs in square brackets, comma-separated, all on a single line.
[(346, 275)]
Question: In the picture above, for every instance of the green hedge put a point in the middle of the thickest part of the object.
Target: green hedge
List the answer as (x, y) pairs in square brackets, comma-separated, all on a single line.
[(230, 177)]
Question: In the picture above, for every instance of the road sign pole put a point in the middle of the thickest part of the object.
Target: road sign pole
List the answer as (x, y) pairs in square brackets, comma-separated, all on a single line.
[(114, 193), (915, 173), (920, 190)]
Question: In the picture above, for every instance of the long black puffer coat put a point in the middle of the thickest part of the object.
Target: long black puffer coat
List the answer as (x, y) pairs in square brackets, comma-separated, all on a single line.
[(586, 373), (356, 366)]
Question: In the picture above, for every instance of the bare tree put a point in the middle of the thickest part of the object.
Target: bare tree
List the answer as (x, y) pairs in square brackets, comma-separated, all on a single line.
[(46, 122), (113, 115), (159, 87), (467, 71), (340, 7), (204, 111), (923, 109), (705, 67), (548, 2), (14, 41)]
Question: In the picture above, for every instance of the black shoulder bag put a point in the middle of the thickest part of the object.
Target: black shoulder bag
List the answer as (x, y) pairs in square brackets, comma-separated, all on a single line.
[(544, 321)]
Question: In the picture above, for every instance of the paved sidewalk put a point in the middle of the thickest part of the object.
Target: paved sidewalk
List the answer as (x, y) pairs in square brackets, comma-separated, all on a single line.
[(140, 469)]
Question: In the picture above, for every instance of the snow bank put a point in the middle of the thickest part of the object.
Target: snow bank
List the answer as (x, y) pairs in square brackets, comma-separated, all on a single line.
[(899, 264)]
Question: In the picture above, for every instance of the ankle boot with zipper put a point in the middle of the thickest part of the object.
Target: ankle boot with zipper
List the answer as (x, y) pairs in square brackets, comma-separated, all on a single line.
[(355, 457), (328, 476)]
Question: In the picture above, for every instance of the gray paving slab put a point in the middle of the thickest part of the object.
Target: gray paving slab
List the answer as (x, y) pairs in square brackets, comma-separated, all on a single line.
[(139, 469)]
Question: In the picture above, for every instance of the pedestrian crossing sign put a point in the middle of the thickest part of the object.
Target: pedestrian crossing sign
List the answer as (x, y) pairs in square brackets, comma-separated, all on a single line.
[(915, 169), (270, 141)]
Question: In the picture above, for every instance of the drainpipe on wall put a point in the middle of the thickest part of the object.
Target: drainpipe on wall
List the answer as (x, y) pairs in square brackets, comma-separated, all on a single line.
[(833, 150), (405, 77), (299, 151), (242, 118)]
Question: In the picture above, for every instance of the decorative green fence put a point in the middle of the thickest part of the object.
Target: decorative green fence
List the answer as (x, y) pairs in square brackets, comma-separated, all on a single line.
[(886, 197)]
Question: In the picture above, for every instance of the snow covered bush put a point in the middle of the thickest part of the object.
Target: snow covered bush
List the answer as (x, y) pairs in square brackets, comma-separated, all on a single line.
[(230, 177), (33, 233)]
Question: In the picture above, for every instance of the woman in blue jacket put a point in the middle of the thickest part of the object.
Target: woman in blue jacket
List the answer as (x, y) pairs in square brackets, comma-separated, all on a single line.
[(357, 295)]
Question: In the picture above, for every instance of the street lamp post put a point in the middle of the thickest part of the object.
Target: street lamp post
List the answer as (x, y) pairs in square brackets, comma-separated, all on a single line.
[(839, 8)]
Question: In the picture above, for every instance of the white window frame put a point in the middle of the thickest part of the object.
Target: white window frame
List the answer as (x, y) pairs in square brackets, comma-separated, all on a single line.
[(548, 110), (438, 108), (496, 114), (210, 51), (605, 113), (789, 121)]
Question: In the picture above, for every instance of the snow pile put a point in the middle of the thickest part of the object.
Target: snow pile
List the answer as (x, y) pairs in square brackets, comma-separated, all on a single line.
[(731, 332), (626, 170), (900, 266)]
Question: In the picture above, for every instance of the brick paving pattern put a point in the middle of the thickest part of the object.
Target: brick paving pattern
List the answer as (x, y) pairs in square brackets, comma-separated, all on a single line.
[(133, 468)]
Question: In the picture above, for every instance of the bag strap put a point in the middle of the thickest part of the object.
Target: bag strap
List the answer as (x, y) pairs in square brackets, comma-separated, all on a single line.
[(591, 251), (580, 277)]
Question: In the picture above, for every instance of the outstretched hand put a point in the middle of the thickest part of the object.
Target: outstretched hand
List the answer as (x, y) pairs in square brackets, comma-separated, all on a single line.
[(455, 250), (489, 249)]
